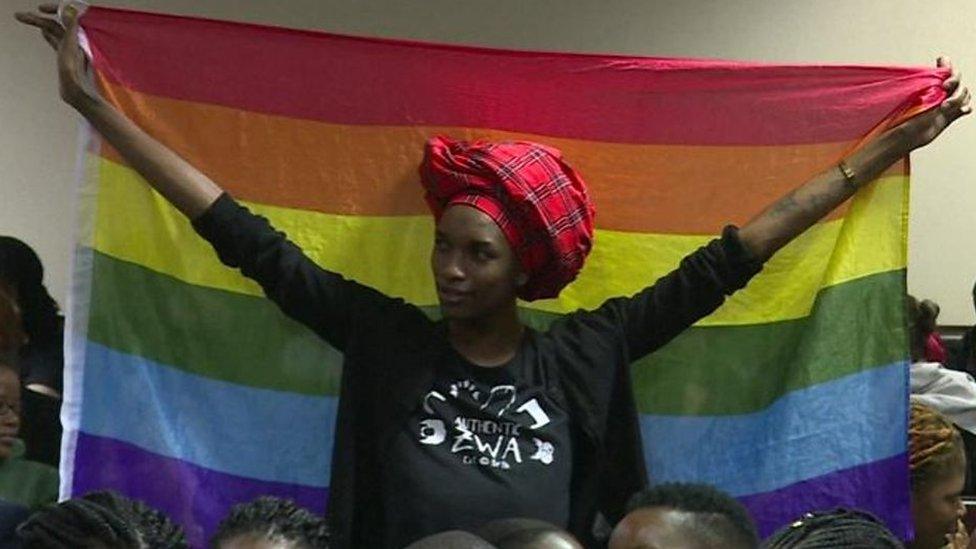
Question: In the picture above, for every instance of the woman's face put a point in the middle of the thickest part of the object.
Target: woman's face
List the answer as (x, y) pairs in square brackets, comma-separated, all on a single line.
[(937, 505), (474, 268)]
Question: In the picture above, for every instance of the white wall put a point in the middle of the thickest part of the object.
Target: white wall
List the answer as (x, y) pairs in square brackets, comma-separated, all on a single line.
[(37, 134)]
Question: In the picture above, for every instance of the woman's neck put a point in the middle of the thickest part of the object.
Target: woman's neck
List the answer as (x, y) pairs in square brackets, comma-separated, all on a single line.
[(489, 341)]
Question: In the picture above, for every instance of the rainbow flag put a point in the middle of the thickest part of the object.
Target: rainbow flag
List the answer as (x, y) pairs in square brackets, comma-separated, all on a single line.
[(188, 389)]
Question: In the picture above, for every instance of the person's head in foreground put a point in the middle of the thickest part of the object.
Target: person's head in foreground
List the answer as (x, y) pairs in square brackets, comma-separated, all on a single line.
[(684, 516), (452, 539), (271, 523), (839, 528), (513, 220), (937, 461), (101, 520), (526, 533)]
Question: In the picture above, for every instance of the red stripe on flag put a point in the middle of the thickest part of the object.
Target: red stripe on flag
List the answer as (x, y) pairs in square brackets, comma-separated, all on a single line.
[(348, 80)]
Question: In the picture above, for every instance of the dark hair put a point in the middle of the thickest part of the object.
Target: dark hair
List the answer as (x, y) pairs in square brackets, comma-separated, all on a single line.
[(930, 315), (717, 515), (101, 517), (22, 270), (518, 533), (12, 336), (274, 518), (452, 539), (839, 528), (917, 333)]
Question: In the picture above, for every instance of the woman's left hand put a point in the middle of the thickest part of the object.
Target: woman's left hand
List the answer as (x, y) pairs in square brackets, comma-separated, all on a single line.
[(923, 129)]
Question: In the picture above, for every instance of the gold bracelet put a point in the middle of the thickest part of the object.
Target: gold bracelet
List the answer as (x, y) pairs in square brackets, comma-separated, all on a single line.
[(848, 174)]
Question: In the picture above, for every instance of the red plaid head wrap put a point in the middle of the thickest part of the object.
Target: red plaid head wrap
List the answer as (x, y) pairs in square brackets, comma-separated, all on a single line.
[(538, 201)]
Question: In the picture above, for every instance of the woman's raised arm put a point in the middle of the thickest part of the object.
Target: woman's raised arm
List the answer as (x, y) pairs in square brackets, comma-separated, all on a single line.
[(188, 189), (789, 216)]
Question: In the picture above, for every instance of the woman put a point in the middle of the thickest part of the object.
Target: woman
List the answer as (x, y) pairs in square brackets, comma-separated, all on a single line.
[(40, 359), (446, 425), (937, 461)]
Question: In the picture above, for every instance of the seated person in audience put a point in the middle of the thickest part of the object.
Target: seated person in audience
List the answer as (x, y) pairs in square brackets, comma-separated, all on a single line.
[(684, 516), (21, 481), (101, 520), (937, 462), (41, 359), (12, 338), (452, 539), (951, 392), (837, 529), (526, 533), (271, 523), (935, 349)]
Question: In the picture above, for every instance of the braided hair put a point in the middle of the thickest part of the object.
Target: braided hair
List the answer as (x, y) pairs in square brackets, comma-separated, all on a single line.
[(932, 444), (101, 517), (274, 519), (839, 528)]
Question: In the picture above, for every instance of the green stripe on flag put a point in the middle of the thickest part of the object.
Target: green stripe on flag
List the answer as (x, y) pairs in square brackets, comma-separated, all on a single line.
[(705, 371)]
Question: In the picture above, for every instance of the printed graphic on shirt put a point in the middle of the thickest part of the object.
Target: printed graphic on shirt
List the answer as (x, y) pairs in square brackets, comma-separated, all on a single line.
[(486, 426)]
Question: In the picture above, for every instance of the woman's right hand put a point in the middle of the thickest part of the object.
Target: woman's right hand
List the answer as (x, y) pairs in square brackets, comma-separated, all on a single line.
[(75, 85), (186, 187)]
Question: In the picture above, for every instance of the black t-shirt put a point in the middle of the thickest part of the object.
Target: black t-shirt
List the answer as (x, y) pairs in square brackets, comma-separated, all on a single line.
[(481, 444), (395, 356)]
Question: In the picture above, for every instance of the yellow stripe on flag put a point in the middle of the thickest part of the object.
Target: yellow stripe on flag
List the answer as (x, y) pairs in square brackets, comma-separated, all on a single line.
[(391, 253)]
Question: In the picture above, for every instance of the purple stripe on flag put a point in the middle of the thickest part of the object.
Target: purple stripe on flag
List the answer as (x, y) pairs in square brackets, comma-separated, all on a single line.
[(191, 495), (874, 487)]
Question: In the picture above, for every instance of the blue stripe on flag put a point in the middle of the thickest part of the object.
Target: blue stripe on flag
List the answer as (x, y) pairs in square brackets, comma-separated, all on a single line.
[(804, 434), (214, 424)]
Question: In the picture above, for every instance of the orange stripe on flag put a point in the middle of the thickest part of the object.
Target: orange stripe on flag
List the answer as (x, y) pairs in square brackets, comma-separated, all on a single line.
[(372, 170)]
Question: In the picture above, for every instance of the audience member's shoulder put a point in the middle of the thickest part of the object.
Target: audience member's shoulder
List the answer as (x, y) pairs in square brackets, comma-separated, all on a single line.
[(29, 482)]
